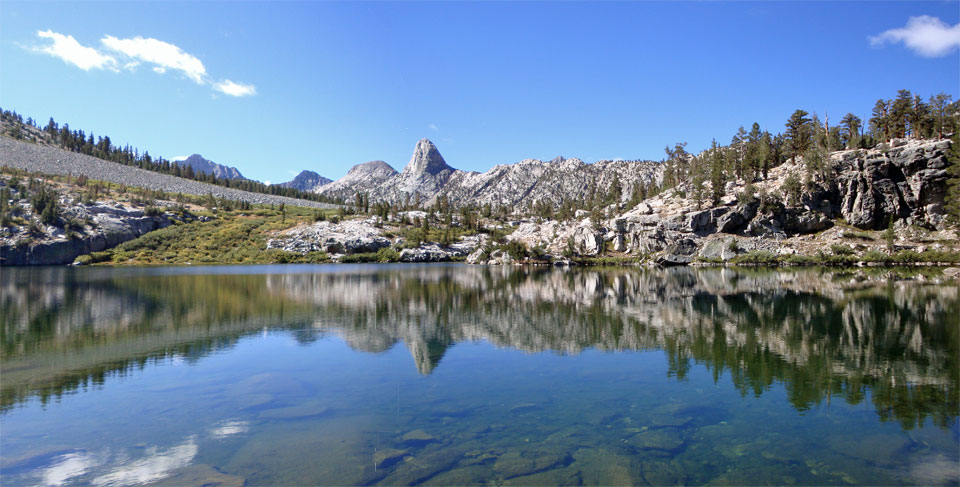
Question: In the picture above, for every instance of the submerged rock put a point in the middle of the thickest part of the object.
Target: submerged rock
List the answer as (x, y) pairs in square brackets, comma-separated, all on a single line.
[(200, 475), (417, 437), (295, 412), (388, 456), (667, 439)]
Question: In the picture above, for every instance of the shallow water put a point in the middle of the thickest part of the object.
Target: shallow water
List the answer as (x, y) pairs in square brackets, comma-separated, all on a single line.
[(454, 375)]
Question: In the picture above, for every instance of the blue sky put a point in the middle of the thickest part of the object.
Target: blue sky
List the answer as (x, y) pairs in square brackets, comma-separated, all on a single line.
[(274, 88)]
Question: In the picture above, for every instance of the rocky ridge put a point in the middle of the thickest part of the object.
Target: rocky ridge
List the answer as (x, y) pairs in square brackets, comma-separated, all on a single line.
[(428, 176), (206, 166), (359, 179)]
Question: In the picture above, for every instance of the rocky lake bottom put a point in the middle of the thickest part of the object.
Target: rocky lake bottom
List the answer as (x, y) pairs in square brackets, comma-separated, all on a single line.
[(472, 375)]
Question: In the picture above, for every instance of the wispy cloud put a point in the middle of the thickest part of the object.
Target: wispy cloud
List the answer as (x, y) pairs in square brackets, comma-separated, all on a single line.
[(228, 87), (161, 54), (433, 127), (927, 36), (132, 52), (72, 52)]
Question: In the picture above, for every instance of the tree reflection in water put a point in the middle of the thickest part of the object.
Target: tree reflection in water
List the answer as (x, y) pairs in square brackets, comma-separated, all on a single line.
[(821, 334)]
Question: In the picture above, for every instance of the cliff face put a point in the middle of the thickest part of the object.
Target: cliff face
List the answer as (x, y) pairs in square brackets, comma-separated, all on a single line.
[(110, 225), (907, 181)]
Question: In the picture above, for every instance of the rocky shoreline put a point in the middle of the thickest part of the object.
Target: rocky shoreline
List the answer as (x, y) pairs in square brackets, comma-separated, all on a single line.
[(883, 206)]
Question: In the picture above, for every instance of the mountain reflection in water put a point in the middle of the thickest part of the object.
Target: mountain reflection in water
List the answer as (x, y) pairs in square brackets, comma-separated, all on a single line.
[(816, 332)]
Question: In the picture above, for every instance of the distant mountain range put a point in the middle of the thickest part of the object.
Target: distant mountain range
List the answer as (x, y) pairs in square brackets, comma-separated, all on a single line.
[(428, 176), (201, 165)]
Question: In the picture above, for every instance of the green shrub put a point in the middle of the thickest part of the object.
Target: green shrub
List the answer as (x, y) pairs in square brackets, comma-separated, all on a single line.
[(757, 257), (840, 249), (388, 254), (516, 249), (875, 256)]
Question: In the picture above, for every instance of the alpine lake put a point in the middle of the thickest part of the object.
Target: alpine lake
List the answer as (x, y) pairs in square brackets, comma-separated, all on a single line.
[(469, 375)]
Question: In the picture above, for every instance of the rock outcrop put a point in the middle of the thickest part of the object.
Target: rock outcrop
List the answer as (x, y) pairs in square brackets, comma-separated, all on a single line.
[(306, 181), (906, 181), (347, 237), (365, 236), (110, 225)]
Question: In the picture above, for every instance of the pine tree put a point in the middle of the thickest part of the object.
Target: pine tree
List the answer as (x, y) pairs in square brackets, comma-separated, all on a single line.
[(920, 120), (901, 110), (851, 130), (938, 104), (752, 157), (880, 121), (765, 153), (718, 179), (739, 145), (798, 133)]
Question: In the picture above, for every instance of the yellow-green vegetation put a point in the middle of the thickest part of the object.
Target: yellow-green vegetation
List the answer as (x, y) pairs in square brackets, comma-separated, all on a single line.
[(228, 237), (843, 257)]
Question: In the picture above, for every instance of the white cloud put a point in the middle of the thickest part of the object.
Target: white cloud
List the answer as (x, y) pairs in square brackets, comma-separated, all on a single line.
[(433, 127), (72, 52), (228, 87), (179, 158), (156, 465), (927, 36), (66, 467), (130, 53), (228, 428), (163, 54)]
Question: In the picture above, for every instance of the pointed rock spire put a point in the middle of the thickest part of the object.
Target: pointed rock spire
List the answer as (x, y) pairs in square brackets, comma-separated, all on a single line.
[(426, 159)]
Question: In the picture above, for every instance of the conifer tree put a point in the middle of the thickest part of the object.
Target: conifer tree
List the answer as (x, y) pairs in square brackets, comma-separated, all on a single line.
[(901, 111), (851, 131), (938, 107), (798, 133), (718, 180), (880, 121)]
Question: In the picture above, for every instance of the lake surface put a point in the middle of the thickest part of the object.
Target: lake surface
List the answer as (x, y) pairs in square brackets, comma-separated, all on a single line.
[(456, 375)]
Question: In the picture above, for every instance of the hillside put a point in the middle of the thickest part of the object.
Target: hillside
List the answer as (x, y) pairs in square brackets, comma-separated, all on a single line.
[(50, 160)]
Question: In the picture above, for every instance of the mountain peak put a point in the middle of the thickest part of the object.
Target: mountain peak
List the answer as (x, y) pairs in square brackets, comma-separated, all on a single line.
[(426, 159), (371, 167), (306, 181), (201, 164)]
